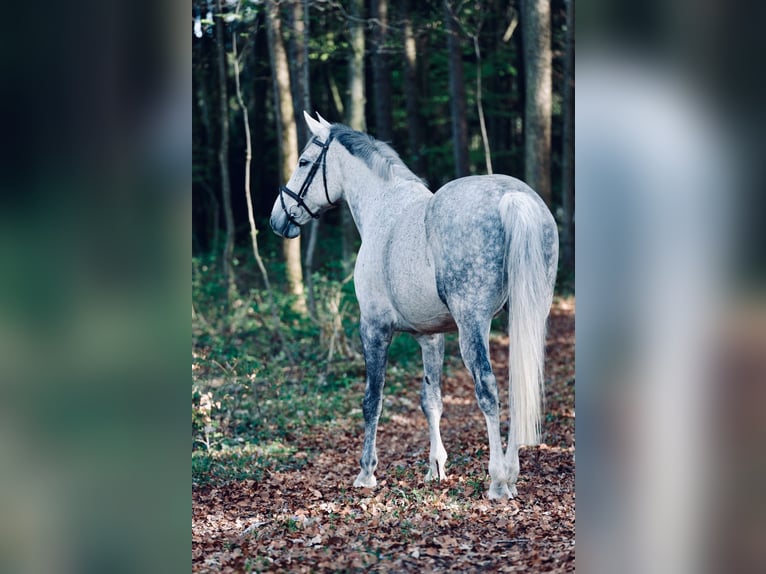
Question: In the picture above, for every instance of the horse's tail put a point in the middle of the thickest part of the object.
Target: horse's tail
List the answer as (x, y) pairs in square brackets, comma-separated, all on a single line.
[(532, 256)]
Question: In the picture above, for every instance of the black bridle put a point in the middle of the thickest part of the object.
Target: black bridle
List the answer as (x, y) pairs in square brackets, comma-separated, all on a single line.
[(298, 197)]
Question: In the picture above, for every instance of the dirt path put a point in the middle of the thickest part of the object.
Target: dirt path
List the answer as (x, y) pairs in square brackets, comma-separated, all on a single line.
[(309, 519)]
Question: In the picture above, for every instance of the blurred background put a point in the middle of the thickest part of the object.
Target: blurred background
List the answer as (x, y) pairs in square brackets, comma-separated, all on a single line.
[(670, 331)]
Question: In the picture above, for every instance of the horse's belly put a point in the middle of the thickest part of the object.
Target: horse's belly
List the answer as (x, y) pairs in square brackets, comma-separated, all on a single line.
[(425, 318), (412, 288)]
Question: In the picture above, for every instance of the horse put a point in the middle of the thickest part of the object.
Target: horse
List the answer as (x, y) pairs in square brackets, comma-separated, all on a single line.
[(430, 263)]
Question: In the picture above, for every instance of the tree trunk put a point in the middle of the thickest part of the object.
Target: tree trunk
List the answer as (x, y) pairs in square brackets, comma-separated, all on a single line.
[(381, 73), (356, 97), (411, 90), (480, 106), (536, 30), (300, 67), (355, 117), (223, 154), (336, 98), (201, 94), (288, 144), (457, 94), (300, 17), (567, 153)]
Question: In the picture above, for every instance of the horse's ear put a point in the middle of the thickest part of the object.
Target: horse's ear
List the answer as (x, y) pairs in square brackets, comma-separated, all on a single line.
[(316, 128), (323, 121)]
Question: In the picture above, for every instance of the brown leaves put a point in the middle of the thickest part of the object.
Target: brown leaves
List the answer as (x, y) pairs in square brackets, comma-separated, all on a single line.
[(308, 518)]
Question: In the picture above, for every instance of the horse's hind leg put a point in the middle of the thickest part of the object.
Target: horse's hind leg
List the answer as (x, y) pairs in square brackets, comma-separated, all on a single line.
[(375, 342), (432, 347), (474, 347)]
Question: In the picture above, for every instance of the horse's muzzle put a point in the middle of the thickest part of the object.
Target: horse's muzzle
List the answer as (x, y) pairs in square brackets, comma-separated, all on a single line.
[(283, 226)]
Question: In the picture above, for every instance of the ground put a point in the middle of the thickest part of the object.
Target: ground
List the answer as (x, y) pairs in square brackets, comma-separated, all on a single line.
[(305, 516)]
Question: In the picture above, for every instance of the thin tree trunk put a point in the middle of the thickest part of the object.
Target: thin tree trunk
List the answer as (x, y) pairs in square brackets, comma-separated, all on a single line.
[(288, 144), (480, 105), (251, 217), (567, 154), (223, 155), (210, 160), (457, 94), (356, 97), (411, 90), (300, 67), (536, 30), (355, 117), (300, 12), (381, 73), (337, 100), (215, 216)]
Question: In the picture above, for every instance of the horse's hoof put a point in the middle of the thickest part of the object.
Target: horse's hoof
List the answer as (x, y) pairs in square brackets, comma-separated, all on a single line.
[(365, 480), (432, 474), (500, 491)]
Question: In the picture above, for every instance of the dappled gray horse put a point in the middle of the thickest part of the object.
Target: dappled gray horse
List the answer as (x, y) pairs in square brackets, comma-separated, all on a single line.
[(431, 263)]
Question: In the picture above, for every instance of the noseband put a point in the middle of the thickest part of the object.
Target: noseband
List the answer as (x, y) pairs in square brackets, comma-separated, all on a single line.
[(298, 197)]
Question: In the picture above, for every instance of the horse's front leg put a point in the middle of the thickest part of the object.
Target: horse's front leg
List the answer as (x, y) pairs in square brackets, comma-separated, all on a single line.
[(376, 339), (432, 347)]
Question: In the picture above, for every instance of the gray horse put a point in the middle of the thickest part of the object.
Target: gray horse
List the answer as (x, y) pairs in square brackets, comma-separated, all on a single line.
[(431, 263)]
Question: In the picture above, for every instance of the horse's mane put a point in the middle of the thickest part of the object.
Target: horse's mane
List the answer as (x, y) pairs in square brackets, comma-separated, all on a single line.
[(382, 160)]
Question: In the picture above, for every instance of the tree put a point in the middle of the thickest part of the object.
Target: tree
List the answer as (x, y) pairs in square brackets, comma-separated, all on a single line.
[(354, 114), (288, 142), (380, 72), (299, 18), (536, 32), (356, 96), (223, 153), (299, 40), (411, 92), (567, 152), (457, 93), (205, 160)]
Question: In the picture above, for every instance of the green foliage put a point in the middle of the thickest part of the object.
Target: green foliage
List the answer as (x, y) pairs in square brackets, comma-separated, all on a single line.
[(247, 398)]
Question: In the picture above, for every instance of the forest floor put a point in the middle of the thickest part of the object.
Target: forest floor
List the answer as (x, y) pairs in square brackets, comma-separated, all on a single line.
[(304, 516)]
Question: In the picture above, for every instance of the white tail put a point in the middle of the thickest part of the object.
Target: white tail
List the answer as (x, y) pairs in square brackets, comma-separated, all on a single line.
[(530, 286)]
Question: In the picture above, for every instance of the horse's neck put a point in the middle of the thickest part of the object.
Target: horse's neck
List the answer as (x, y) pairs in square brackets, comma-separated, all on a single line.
[(376, 203)]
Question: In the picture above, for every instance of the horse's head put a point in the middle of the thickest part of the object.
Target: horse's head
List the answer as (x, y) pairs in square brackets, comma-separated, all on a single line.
[(307, 193)]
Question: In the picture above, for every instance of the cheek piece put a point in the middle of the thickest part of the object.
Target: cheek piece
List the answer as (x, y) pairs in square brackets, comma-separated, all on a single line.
[(298, 197)]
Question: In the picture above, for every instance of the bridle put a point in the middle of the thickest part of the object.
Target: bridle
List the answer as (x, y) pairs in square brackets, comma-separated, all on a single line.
[(298, 197)]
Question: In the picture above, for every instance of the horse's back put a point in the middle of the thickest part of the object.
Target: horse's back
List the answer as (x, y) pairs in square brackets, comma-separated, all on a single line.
[(479, 192)]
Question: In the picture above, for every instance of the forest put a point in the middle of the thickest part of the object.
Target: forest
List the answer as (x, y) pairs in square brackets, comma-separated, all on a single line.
[(456, 87)]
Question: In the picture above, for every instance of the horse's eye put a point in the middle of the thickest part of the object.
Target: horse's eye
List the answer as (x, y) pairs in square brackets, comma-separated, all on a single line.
[(303, 162)]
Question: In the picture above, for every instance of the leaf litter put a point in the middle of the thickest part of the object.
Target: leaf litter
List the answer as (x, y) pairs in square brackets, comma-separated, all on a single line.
[(310, 519)]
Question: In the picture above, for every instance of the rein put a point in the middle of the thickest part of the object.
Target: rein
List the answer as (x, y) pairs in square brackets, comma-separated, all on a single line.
[(298, 197)]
